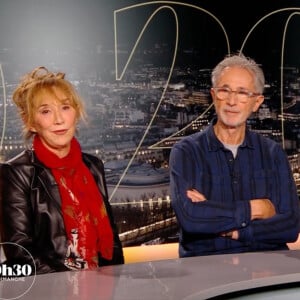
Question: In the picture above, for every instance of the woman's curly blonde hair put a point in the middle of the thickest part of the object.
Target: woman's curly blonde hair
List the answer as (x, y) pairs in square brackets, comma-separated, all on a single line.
[(27, 94)]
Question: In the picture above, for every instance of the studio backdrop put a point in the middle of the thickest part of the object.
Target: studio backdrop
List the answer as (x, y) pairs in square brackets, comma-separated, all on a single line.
[(143, 69)]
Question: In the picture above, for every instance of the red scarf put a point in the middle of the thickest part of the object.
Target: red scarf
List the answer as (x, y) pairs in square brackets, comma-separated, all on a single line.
[(81, 201)]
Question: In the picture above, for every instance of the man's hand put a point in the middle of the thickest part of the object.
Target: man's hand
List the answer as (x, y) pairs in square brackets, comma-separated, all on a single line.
[(234, 235), (195, 196), (262, 209)]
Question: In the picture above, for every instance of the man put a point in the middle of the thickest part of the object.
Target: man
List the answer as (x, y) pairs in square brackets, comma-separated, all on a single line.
[(232, 189)]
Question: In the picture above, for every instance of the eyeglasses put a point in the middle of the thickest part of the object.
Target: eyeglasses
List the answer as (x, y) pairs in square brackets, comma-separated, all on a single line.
[(224, 93)]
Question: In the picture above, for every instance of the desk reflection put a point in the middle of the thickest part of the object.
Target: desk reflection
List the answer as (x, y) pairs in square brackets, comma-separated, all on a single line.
[(187, 278)]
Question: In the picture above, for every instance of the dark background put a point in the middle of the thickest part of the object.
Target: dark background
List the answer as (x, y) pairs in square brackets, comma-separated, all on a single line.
[(66, 32)]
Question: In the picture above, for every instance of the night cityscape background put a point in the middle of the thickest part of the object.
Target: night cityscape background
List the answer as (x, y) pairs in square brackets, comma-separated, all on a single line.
[(143, 70)]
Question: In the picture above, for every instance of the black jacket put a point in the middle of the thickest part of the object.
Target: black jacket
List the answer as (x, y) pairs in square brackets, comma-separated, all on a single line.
[(31, 213)]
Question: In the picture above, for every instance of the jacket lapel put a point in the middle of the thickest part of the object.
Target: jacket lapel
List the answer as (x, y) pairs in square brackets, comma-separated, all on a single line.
[(44, 181)]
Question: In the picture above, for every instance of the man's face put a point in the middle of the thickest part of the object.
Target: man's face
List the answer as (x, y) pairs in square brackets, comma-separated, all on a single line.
[(230, 111)]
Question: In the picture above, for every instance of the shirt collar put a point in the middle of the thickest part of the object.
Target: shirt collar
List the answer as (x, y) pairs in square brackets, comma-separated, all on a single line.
[(214, 144)]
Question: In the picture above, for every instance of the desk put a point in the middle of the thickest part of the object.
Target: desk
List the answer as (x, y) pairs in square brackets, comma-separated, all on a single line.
[(185, 279)]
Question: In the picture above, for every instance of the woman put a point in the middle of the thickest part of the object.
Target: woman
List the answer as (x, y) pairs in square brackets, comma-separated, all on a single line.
[(54, 197)]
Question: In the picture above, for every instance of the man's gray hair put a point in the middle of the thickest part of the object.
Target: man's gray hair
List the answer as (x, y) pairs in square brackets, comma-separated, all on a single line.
[(239, 60)]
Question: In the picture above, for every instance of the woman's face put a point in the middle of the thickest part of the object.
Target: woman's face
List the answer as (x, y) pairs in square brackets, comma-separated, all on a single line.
[(54, 121)]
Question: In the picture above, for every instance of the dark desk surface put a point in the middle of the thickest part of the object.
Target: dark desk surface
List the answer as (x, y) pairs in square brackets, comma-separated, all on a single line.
[(185, 279)]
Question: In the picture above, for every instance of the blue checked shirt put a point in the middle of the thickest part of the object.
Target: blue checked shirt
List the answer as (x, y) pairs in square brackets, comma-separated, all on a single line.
[(259, 170)]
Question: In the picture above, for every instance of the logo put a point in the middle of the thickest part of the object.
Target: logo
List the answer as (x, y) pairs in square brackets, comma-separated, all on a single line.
[(16, 279)]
